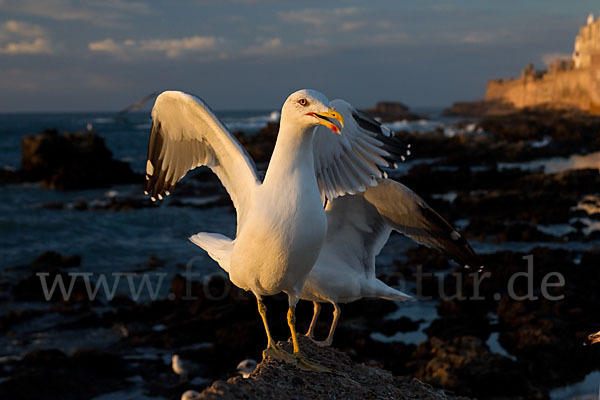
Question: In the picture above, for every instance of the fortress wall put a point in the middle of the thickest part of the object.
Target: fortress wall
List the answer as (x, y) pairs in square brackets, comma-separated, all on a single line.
[(574, 82), (595, 85), (577, 87)]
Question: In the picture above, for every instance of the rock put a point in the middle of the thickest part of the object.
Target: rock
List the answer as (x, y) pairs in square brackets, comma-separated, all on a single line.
[(567, 127), (53, 259), (467, 366), (479, 108), (273, 379), (389, 111), (30, 287), (9, 175), (260, 145), (13, 317), (51, 374), (72, 160)]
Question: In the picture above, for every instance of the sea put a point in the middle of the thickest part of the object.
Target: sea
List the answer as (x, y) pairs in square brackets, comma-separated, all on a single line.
[(123, 241)]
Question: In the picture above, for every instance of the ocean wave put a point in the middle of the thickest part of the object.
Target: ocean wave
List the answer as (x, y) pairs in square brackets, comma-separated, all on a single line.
[(251, 124), (421, 125)]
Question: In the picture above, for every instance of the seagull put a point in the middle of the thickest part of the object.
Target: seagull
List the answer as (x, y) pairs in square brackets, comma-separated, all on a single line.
[(246, 367), (593, 338), (190, 395), (357, 229), (281, 221), (183, 368)]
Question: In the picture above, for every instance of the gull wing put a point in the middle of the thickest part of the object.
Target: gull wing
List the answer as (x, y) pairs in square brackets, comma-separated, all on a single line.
[(405, 212), (351, 161), (356, 233), (186, 134), (360, 225)]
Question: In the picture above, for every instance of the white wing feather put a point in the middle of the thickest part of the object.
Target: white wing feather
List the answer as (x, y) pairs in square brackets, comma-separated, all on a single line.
[(360, 225), (351, 161), (186, 134)]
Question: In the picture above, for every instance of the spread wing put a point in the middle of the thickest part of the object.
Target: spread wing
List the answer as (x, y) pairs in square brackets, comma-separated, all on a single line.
[(360, 225), (405, 212), (186, 134), (351, 161)]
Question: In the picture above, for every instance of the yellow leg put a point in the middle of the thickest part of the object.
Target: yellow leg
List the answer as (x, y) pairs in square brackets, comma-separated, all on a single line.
[(303, 363), (272, 349), (291, 318)]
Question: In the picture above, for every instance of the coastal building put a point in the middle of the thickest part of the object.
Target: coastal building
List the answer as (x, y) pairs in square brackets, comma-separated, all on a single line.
[(573, 82)]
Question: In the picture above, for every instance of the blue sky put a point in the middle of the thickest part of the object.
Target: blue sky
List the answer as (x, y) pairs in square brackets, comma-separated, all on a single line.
[(63, 55)]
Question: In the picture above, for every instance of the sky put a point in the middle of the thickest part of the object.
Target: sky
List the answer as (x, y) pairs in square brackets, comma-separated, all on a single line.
[(100, 55)]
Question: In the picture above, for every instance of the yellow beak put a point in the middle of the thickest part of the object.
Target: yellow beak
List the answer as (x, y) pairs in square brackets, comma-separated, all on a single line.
[(322, 118), (594, 338)]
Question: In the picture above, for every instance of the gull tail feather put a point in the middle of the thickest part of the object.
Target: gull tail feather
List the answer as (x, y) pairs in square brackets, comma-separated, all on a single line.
[(218, 247), (383, 291)]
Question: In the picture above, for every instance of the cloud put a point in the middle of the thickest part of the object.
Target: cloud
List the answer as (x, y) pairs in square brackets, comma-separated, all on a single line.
[(21, 28), (390, 38), (351, 26), (18, 37), (176, 47), (319, 17), (549, 58), (172, 48), (99, 12), (106, 46), (267, 47), (36, 46)]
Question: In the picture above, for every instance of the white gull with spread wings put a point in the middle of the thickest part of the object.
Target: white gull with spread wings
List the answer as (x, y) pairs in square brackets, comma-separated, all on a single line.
[(357, 229), (281, 222)]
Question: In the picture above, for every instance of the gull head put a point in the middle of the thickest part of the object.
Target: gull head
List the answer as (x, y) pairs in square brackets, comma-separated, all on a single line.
[(246, 367), (593, 338), (308, 108)]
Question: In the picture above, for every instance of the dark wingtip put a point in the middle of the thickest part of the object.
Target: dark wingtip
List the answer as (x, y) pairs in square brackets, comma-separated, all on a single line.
[(398, 149), (155, 181), (457, 246)]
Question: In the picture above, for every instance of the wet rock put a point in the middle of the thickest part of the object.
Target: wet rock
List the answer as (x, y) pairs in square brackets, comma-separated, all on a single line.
[(479, 108), (542, 321), (10, 318), (72, 160), (273, 379), (47, 267), (9, 176), (32, 289), (51, 374), (389, 111), (260, 145), (568, 127), (466, 366), (52, 259)]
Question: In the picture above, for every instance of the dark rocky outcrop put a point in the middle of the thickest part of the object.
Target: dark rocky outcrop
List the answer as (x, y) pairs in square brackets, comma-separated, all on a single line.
[(389, 111), (566, 126), (260, 145), (479, 108), (466, 365), (349, 380), (72, 160), (51, 374)]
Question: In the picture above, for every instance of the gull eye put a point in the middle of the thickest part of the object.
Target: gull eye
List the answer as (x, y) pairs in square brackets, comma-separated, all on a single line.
[(303, 102)]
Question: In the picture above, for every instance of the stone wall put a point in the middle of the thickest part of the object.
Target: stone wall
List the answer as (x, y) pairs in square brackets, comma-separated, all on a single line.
[(568, 83), (573, 88), (587, 43)]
